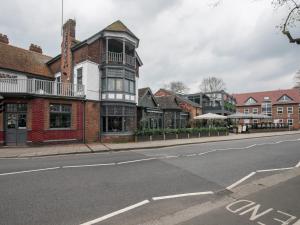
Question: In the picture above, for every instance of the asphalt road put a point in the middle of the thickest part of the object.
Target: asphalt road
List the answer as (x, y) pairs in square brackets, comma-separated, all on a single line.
[(75, 189)]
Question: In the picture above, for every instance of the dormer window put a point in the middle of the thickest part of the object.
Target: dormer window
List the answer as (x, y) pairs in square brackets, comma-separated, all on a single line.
[(285, 98), (251, 101)]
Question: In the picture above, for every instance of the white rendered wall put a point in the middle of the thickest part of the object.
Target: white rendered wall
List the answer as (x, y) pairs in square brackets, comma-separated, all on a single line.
[(90, 79)]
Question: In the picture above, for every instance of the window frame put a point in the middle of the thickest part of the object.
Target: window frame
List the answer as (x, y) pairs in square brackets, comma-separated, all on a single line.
[(290, 107), (255, 111), (278, 111), (60, 113)]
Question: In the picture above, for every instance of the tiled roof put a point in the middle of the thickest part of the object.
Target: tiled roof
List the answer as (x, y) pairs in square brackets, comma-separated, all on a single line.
[(273, 96), (22, 60), (167, 102)]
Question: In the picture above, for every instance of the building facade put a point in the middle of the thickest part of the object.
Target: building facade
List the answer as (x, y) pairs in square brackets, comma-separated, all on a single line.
[(282, 105), (86, 93), (178, 111), (218, 102)]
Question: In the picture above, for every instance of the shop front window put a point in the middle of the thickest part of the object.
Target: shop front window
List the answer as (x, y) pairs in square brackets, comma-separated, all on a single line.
[(118, 118)]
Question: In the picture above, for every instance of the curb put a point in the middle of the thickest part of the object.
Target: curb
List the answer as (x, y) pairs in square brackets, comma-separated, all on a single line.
[(142, 148)]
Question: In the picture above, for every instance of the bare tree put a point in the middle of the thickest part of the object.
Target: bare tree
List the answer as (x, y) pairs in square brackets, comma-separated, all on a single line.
[(177, 87), (211, 84)]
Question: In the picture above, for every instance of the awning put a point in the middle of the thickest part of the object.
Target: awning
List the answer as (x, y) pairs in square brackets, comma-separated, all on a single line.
[(239, 115), (210, 116)]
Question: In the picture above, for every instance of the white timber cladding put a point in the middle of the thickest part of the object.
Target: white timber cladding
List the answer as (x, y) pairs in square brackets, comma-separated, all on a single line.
[(90, 79), (11, 82)]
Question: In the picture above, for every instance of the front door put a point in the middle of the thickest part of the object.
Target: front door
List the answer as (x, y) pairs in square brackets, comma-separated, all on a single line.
[(15, 124)]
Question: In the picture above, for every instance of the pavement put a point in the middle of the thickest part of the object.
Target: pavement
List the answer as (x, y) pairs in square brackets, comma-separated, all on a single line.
[(159, 183), (11, 152)]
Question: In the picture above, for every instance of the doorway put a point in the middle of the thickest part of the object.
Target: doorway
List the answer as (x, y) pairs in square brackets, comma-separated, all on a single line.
[(15, 121)]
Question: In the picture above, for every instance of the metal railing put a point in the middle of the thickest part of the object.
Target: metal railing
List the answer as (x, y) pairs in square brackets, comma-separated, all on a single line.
[(115, 57), (41, 87)]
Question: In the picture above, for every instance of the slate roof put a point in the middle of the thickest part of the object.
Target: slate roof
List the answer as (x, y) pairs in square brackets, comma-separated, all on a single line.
[(167, 102), (274, 96), (118, 26), (22, 60), (181, 98), (143, 91)]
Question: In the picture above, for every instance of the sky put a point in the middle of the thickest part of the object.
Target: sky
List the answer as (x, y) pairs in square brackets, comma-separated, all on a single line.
[(180, 40)]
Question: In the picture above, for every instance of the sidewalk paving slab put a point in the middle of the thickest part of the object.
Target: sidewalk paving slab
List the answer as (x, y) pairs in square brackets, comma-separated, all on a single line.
[(18, 152)]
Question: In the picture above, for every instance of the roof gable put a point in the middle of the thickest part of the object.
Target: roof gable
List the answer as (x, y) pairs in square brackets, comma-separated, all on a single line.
[(250, 101), (118, 26), (146, 98), (285, 98), (270, 96)]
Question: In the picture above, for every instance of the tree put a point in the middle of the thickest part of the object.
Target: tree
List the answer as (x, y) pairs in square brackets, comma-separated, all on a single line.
[(211, 84), (177, 87), (292, 17)]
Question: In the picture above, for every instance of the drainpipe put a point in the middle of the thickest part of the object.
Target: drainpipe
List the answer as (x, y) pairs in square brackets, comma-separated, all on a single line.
[(83, 123)]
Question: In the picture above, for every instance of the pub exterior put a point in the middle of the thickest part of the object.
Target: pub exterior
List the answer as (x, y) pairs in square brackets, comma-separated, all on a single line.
[(86, 93)]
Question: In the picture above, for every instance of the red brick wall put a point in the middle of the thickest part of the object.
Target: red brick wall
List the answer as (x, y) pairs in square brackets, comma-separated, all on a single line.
[(38, 121), (295, 116), (92, 121)]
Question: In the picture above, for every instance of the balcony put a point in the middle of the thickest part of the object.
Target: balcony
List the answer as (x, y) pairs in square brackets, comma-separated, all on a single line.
[(41, 87), (117, 58)]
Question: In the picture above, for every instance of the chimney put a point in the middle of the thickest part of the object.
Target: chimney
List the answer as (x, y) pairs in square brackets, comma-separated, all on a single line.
[(4, 38), (66, 54), (36, 48)]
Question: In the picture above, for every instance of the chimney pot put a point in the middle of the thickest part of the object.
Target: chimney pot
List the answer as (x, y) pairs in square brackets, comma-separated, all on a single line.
[(36, 48), (4, 38)]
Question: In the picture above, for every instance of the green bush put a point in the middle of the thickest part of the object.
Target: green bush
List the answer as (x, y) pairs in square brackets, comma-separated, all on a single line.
[(196, 130)]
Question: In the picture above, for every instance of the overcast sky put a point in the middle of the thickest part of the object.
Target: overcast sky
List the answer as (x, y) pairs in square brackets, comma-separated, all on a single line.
[(184, 40)]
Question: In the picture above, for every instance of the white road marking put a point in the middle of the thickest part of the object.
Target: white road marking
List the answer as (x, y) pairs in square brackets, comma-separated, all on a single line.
[(298, 164), (29, 171), (116, 213), (278, 169), (170, 156), (182, 195), (297, 223), (89, 165), (240, 181), (191, 155), (138, 160)]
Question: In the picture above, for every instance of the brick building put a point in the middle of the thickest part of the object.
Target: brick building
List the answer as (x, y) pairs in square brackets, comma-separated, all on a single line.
[(178, 111), (88, 92), (282, 105)]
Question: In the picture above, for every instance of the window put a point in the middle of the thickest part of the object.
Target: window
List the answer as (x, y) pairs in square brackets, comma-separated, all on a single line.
[(118, 118), (60, 116), (58, 79), (279, 110), (79, 75), (255, 110), (246, 111), (290, 122), (129, 86), (115, 84), (255, 121), (290, 110), (119, 84), (266, 108), (111, 84)]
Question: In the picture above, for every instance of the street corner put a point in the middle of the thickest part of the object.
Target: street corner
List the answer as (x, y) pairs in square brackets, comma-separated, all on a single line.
[(278, 204)]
